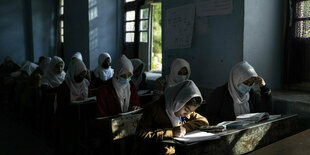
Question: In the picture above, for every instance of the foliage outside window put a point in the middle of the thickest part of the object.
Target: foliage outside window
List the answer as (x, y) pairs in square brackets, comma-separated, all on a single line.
[(157, 44)]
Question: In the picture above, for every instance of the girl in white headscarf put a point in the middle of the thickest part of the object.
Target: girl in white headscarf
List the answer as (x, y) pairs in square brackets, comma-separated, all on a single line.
[(179, 72), (139, 76), (118, 94), (173, 115), (236, 97), (104, 70), (54, 75), (75, 86)]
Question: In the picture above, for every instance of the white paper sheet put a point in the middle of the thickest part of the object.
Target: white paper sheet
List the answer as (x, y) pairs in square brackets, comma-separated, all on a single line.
[(196, 136), (214, 7), (179, 27)]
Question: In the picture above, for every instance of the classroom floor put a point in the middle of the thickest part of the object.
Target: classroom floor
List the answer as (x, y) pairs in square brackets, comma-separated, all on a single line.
[(16, 139)]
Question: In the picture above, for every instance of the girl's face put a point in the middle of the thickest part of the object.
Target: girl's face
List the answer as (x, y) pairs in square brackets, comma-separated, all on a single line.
[(248, 82), (126, 75), (59, 68), (138, 71), (183, 71), (80, 77), (185, 110)]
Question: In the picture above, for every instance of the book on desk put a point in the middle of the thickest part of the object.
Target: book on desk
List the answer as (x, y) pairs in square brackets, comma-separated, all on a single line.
[(253, 116), (121, 125), (245, 119)]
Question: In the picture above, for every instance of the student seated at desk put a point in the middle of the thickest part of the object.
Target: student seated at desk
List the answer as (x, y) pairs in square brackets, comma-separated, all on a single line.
[(237, 96), (78, 55), (54, 74), (160, 120), (118, 94), (103, 72), (179, 72), (139, 76), (75, 86)]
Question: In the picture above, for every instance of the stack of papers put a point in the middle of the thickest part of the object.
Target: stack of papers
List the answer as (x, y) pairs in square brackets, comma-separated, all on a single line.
[(253, 116), (196, 136)]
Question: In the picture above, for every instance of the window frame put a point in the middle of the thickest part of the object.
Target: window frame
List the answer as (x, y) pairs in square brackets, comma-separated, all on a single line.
[(131, 6), (295, 19), (125, 24)]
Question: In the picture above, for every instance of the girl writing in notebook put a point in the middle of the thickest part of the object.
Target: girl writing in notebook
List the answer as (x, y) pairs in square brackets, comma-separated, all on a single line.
[(161, 119)]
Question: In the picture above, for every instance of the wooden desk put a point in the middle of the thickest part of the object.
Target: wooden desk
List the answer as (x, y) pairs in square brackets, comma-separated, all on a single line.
[(242, 140), (119, 133), (122, 126), (298, 144)]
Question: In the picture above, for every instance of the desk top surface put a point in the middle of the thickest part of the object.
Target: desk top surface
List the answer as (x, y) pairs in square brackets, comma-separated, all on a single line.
[(297, 144), (237, 130)]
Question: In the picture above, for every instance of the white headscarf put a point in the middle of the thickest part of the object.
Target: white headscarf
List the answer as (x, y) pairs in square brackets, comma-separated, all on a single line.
[(176, 66), (77, 55), (44, 64), (238, 74), (102, 73), (123, 66), (77, 90), (50, 77), (136, 63), (29, 67), (177, 96)]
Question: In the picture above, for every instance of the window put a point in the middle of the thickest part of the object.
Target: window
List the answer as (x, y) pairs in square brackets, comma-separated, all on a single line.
[(144, 24), (130, 26), (61, 20), (297, 45), (302, 19)]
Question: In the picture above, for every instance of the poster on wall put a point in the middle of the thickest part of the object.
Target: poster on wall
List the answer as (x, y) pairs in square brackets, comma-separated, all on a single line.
[(179, 26), (214, 7)]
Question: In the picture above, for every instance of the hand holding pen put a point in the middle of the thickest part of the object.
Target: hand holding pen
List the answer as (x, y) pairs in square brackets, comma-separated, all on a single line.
[(180, 130)]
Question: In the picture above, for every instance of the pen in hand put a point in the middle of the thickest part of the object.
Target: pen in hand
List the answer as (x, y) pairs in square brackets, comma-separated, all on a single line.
[(180, 120)]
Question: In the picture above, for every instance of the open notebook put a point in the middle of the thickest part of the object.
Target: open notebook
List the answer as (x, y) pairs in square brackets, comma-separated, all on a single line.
[(196, 136), (253, 116)]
